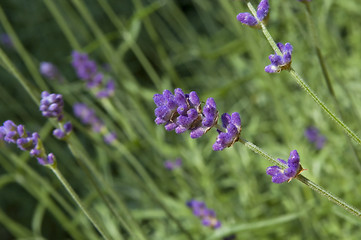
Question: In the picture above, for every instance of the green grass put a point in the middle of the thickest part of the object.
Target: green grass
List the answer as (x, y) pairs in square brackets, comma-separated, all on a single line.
[(197, 46)]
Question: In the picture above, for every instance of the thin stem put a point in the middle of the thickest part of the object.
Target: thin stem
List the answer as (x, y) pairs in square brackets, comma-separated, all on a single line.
[(303, 84), (304, 180), (326, 75), (77, 200)]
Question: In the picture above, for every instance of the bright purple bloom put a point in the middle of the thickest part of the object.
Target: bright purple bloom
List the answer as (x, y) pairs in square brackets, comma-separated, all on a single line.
[(232, 124), (294, 168), (279, 63), (314, 136), (170, 165), (207, 216), (12, 133), (262, 13), (110, 137), (87, 116), (182, 112), (51, 105), (50, 71)]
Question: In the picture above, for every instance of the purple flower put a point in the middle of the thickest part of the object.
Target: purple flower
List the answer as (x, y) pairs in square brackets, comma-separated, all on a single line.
[(170, 165), (87, 116), (107, 91), (262, 14), (51, 105), (279, 63), (63, 133), (110, 137), (293, 169), (314, 136), (85, 68), (12, 133), (232, 124), (207, 216), (50, 71), (182, 112)]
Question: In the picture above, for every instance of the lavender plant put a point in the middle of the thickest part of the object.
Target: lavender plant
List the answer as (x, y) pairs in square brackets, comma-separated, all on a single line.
[(111, 154)]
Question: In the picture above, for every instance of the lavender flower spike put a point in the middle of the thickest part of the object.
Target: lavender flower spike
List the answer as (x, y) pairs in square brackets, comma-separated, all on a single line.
[(262, 15), (12, 133), (294, 168), (279, 63), (182, 112), (232, 124), (50, 71), (207, 216), (51, 105)]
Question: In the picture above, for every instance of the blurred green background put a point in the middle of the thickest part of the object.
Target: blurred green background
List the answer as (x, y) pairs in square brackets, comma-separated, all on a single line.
[(197, 46)]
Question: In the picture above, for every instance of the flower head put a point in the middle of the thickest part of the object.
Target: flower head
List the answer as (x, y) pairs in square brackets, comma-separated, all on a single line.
[(232, 124), (110, 137), (50, 71), (314, 136), (51, 105), (5, 40), (207, 216), (293, 169), (262, 15), (279, 63), (181, 112), (31, 142)]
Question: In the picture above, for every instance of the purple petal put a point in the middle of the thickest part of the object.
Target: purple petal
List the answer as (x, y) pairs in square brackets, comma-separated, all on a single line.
[(262, 9), (247, 18)]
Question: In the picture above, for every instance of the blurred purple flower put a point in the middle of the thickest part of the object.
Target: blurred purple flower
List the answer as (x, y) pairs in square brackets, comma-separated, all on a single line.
[(5, 40), (110, 137), (207, 216), (87, 116), (87, 70), (171, 165), (50, 71), (314, 136)]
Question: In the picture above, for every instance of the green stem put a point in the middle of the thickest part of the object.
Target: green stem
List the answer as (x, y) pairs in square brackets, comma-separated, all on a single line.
[(77, 200), (303, 84), (304, 180), (321, 60)]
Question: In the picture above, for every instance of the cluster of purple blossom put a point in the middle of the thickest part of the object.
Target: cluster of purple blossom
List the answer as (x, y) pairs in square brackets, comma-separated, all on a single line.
[(5, 40), (182, 112), (314, 136), (278, 62), (207, 216), (87, 70), (51, 106), (31, 142), (294, 168)]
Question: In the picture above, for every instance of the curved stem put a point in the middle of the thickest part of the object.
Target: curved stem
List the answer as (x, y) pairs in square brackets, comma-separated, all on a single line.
[(76, 198), (303, 84), (304, 180)]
